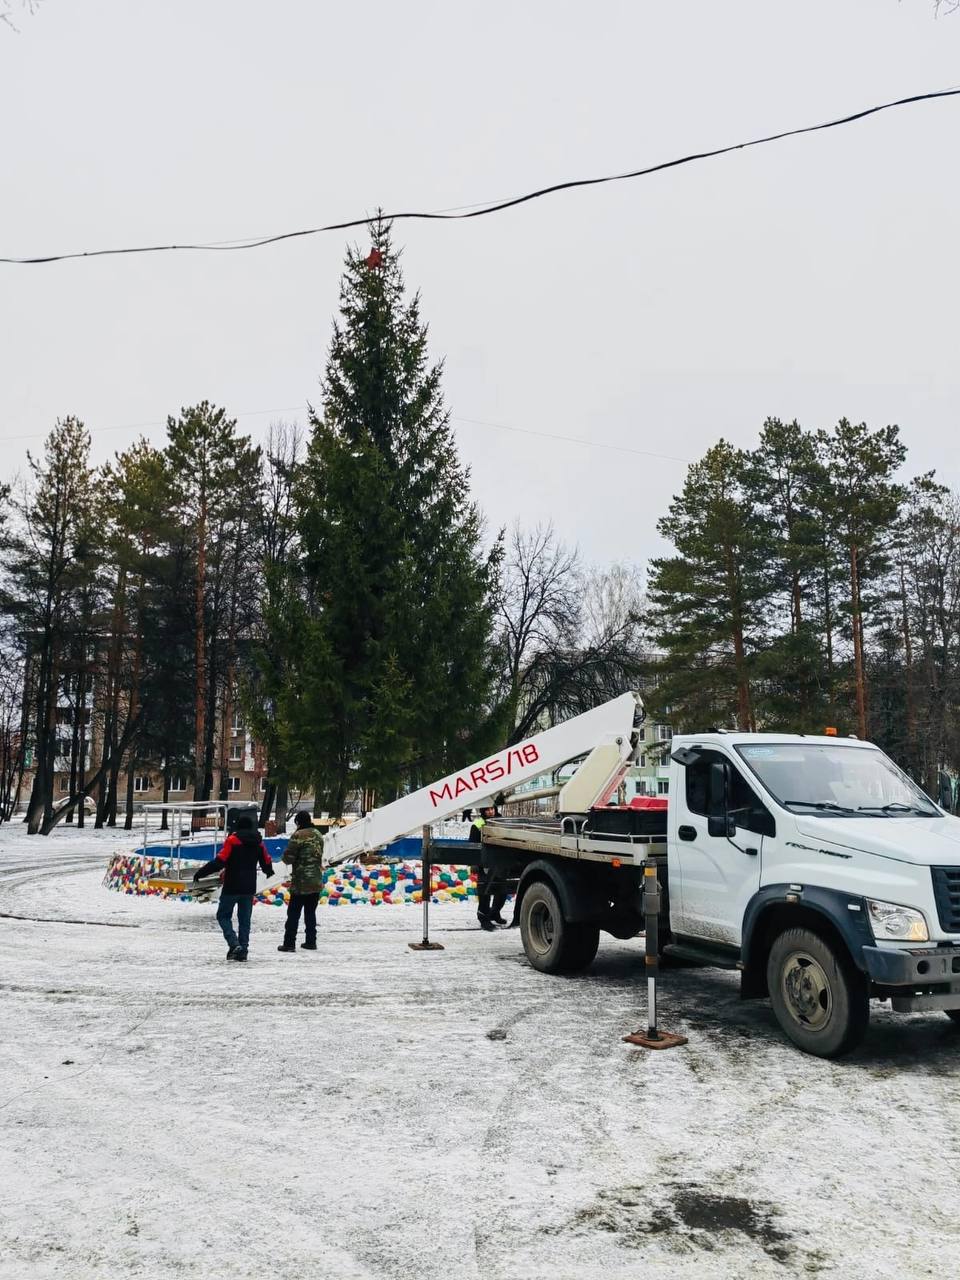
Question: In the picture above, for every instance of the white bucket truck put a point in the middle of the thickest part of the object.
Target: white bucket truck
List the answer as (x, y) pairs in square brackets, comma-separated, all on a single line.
[(814, 865)]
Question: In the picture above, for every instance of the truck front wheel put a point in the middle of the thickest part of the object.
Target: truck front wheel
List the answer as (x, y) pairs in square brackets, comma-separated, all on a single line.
[(553, 944), (818, 997)]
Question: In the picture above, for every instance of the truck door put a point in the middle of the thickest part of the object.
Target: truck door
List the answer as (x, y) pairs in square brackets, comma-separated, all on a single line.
[(718, 874)]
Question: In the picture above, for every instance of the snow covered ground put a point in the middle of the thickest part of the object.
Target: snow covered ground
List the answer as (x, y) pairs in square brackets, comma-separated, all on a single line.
[(367, 1111)]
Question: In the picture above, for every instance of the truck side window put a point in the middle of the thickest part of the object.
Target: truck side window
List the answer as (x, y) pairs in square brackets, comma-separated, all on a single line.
[(698, 782), (742, 797)]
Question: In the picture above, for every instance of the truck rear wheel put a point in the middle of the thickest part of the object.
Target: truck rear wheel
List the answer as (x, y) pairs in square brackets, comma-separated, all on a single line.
[(553, 944), (818, 997)]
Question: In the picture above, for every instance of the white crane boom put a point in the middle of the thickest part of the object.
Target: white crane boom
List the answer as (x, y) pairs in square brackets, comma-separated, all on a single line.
[(606, 731)]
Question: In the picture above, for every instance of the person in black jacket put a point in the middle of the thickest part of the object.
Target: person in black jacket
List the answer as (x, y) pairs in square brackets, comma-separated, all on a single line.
[(488, 916), (237, 863)]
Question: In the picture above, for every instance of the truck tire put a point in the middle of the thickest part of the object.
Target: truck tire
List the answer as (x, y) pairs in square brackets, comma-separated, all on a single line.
[(818, 997), (553, 944)]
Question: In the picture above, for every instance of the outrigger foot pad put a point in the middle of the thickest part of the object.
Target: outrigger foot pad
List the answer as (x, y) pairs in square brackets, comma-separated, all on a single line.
[(425, 946), (662, 1040)]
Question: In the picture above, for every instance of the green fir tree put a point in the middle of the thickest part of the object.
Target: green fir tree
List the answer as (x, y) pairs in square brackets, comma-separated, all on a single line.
[(396, 580)]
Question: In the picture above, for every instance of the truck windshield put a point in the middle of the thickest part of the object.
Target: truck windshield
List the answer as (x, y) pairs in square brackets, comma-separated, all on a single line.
[(835, 781)]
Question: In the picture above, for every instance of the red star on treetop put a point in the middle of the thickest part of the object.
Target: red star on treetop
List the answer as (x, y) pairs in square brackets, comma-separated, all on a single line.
[(374, 259)]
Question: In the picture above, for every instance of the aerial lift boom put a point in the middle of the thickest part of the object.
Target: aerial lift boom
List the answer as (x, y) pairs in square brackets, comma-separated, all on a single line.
[(606, 735)]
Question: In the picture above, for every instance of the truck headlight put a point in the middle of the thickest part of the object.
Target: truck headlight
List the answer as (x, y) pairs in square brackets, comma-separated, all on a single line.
[(900, 924)]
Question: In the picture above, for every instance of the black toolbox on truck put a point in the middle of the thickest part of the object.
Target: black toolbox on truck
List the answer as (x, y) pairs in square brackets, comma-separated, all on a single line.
[(644, 816)]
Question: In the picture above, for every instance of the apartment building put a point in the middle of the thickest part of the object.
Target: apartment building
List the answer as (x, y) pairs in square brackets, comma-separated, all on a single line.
[(240, 760)]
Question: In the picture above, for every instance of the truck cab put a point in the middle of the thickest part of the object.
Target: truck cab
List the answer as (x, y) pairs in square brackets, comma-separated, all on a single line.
[(819, 868)]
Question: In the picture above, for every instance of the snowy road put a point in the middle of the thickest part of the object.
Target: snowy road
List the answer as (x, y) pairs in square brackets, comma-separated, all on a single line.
[(367, 1111)]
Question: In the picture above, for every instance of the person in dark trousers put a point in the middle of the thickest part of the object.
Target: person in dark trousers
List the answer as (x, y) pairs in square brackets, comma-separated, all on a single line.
[(304, 854), (488, 915), (237, 862)]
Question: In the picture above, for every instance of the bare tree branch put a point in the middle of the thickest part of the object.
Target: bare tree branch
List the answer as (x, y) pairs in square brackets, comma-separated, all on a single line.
[(8, 7)]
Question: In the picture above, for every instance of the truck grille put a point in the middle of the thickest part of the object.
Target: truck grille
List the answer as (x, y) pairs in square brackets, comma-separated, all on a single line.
[(946, 892)]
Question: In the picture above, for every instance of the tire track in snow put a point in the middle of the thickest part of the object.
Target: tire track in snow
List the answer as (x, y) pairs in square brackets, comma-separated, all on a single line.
[(565, 1099)]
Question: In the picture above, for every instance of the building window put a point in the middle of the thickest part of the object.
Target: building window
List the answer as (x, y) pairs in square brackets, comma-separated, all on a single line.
[(237, 723), (643, 762), (263, 783), (142, 783), (642, 734), (63, 785), (233, 783), (663, 786), (177, 783), (236, 750)]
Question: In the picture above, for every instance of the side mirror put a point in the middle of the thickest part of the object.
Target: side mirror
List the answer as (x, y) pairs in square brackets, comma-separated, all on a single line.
[(723, 826), (719, 821)]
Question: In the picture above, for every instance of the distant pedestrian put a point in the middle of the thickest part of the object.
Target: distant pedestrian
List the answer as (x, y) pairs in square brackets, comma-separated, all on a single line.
[(243, 850), (488, 913), (304, 855)]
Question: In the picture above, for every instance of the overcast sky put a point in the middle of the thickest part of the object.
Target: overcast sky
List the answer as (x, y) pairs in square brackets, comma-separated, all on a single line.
[(814, 278)]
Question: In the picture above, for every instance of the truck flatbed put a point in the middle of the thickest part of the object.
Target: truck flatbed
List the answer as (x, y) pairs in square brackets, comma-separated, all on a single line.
[(573, 837)]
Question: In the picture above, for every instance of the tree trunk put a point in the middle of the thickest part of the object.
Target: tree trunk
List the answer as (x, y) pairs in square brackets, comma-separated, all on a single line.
[(164, 816), (266, 804), (74, 747), (57, 815), (828, 636), (857, 628), (128, 816), (739, 652), (82, 746), (796, 603), (201, 791), (282, 800), (911, 719)]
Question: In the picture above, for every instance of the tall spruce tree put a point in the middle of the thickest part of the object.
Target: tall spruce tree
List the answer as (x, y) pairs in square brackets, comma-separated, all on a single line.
[(397, 668)]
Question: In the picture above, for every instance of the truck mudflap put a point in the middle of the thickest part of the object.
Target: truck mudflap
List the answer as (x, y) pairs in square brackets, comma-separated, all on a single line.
[(926, 978)]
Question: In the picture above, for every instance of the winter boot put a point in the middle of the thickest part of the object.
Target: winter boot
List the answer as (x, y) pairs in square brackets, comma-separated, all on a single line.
[(287, 946), (240, 953), (232, 953), (497, 918), (308, 946), (486, 923)]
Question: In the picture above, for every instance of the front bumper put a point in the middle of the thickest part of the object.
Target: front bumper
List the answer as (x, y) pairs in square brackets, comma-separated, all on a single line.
[(925, 978)]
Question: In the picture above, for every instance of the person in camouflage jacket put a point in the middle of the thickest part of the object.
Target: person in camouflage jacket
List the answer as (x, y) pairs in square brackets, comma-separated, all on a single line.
[(304, 855)]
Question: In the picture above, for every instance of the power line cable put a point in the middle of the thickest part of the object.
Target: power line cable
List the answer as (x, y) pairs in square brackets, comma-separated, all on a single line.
[(590, 444), (477, 422), (159, 422), (467, 211)]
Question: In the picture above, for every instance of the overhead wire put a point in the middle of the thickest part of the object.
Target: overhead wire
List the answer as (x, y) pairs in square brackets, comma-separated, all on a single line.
[(478, 422), (464, 212)]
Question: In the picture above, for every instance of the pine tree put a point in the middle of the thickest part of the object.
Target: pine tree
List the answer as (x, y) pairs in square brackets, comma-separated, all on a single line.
[(707, 620), (213, 468), (861, 509), (399, 586), (785, 477), (278, 639), (138, 504), (51, 563)]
